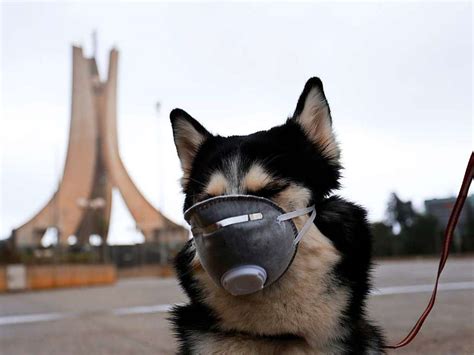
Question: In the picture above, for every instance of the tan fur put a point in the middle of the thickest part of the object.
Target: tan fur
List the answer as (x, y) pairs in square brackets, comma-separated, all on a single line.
[(255, 179), (293, 197), (302, 302), (217, 184), (227, 182), (188, 141), (196, 263), (315, 120), (245, 345)]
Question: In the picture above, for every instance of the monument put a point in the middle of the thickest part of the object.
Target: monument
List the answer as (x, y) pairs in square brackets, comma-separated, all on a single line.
[(81, 206)]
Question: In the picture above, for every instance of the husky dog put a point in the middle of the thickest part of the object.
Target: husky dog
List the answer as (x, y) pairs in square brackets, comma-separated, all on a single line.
[(318, 305)]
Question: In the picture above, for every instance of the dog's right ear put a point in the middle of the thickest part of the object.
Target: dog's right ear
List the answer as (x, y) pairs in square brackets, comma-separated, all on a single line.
[(189, 135), (314, 116)]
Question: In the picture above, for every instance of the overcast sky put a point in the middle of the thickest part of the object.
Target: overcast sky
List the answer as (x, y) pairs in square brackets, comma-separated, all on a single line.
[(398, 78)]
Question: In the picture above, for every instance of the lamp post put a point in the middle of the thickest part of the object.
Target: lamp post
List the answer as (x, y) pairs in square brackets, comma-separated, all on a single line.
[(160, 156)]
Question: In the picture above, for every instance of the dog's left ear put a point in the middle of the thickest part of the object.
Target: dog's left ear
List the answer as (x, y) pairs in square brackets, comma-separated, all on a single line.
[(189, 135), (314, 116)]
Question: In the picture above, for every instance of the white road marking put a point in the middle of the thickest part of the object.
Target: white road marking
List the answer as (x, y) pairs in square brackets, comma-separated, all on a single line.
[(143, 309), (398, 290), (164, 308), (31, 318)]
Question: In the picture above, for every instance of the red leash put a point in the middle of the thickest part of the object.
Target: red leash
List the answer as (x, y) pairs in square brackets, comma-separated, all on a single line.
[(448, 236)]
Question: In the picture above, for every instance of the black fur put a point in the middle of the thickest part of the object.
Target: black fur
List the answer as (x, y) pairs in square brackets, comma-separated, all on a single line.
[(283, 150), (289, 155)]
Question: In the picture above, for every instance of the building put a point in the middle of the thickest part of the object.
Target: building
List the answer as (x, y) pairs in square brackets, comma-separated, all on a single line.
[(441, 209)]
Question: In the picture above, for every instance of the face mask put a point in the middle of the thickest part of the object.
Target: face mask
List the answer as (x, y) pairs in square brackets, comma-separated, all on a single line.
[(245, 243)]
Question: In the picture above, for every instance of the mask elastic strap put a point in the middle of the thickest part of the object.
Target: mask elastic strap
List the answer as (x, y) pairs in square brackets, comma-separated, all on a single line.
[(298, 213)]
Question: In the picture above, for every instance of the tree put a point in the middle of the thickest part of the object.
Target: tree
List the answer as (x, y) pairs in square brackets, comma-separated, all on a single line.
[(467, 237), (416, 233), (399, 213), (383, 239)]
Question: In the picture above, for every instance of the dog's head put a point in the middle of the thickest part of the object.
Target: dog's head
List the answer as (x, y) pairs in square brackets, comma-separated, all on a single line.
[(293, 164)]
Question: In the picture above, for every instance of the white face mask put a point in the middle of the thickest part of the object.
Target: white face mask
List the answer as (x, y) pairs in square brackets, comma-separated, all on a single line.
[(245, 243)]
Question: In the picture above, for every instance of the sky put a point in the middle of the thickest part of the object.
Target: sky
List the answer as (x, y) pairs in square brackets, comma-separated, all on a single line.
[(397, 75)]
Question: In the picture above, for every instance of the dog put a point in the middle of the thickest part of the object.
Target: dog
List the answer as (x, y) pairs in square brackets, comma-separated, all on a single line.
[(318, 305)]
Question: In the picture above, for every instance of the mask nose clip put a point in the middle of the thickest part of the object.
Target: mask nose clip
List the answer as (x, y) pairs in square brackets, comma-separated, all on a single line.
[(243, 280)]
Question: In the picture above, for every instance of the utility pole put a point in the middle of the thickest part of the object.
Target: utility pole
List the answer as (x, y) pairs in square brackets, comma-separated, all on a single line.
[(160, 155), (94, 44)]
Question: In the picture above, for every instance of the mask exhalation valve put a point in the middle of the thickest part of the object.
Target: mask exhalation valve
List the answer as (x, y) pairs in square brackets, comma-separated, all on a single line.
[(244, 280)]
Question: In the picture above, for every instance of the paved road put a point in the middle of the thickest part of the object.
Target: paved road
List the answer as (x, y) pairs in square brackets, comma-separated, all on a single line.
[(130, 317)]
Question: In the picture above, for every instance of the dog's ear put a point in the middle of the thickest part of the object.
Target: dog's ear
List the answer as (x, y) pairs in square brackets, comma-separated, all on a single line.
[(314, 116), (189, 135)]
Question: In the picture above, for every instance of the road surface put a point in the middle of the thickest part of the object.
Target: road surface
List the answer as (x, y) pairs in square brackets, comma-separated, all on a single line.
[(130, 317)]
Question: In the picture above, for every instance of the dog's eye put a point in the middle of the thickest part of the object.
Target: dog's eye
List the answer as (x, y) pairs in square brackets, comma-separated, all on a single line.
[(269, 190), (202, 196)]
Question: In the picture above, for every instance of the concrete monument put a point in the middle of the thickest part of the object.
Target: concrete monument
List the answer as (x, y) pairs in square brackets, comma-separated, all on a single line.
[(81, 205)]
